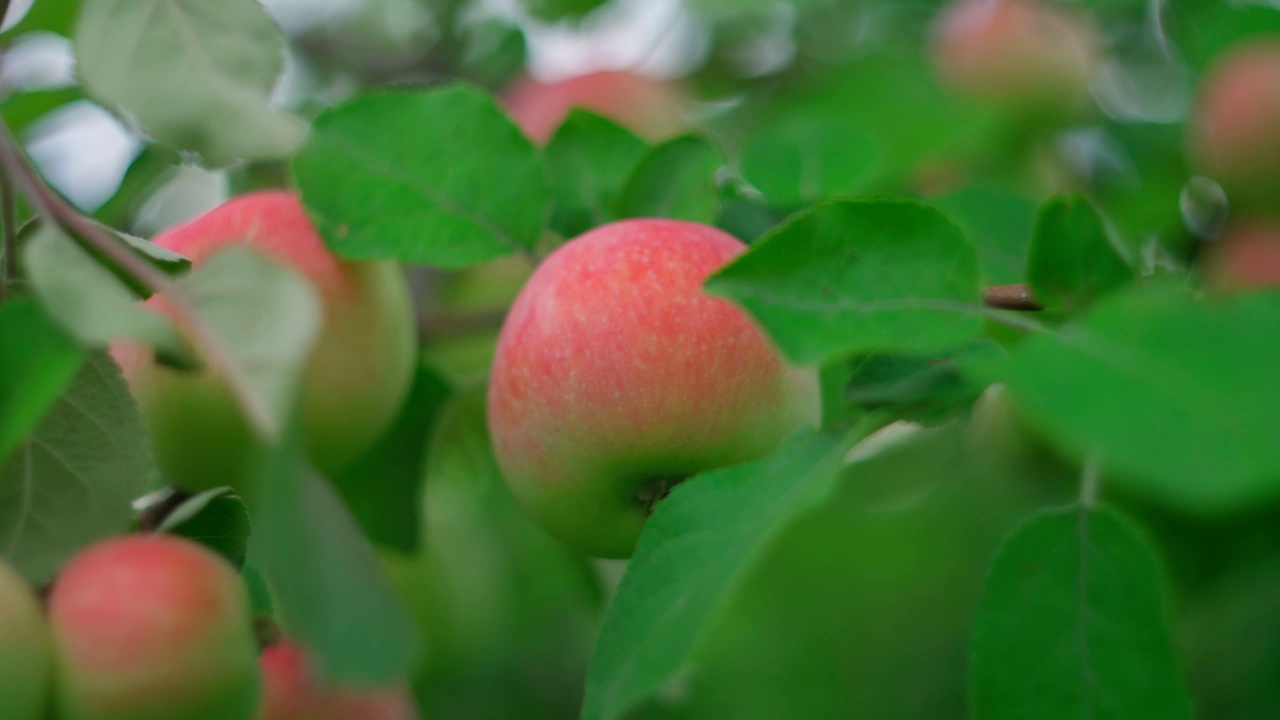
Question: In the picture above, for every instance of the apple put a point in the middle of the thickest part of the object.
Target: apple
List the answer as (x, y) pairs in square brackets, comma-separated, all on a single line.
[(650, 108), (291, 692), (152, 627), (1027, 55), (26, 655), (357, 375), (1234, 136), (1246, 256), (616, 377)]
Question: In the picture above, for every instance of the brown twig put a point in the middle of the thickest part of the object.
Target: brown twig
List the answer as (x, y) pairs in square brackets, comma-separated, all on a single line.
[(56, 209), (1010, 297)]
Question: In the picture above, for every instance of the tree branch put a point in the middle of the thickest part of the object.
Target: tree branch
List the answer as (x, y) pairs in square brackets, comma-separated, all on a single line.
[(1010, 297), (9, 223), (57, 210)]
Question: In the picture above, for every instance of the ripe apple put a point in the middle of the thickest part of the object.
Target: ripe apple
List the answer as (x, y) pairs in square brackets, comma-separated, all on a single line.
[(1246, 256), (26, 655), (356, 377), (1027, 55), (1234, 135), (292, 693), (650, 108), (616, 377), (152, 627)]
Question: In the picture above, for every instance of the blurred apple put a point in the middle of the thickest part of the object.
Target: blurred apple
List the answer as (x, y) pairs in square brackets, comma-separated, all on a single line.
[(648, 107), (1246, 256)]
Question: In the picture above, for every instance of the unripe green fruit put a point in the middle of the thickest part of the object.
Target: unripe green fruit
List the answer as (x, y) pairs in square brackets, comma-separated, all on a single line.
[(26, 664), (291, 692), (152, 627), (357, 375), (616, 377)]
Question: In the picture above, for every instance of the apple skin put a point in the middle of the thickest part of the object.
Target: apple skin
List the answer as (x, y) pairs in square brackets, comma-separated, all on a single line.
[(291, 693), (152, 627), (616, 376), (1245, 257), (26, 651), (650, 108), (356, 377), (1024, 55), (1234, 136)]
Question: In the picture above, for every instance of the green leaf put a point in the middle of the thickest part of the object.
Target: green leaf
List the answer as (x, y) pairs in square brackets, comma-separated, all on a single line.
[(37, 362), (1073, 624), (55, 16), (91, 304), (144, 174), (217, 519), (23, 109), (588, 160), (561, 9), (691, 554), (925, 389), (70, 482), (329, 591), (677, 180), (195, 76), (1178, 399), (848, 277), (1071, 261), (495, 50), (383, 487), (440, 177), (266, 317), (803, 158), (999, 224)]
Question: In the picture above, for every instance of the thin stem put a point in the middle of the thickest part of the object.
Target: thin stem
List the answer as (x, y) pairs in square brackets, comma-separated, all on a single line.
[(1090, 482), (9, 227), (53, 207)]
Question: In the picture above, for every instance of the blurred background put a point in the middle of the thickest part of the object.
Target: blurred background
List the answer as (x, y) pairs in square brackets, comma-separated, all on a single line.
[(983, 107)]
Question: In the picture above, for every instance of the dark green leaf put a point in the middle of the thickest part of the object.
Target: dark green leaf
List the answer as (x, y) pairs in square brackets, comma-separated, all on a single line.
[(71, 481), (329, 591), (998, 223), (55, 16), (23, 109), (588, 160), (266, 317), (920, 388), (1073, 624), (440, 177), (804, 158), (37, 362), (383, 487), (1071, 261), (217, 519), (561, 9), (690, 556), (1179, 399), (195, 76), (92, 304), (677, 180), (859, 276)]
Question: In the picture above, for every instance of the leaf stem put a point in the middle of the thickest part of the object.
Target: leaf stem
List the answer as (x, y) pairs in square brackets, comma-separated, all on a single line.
[(56, 209), (1090, 482)]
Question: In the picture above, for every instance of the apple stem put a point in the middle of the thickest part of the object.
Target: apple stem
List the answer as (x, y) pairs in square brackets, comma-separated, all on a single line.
[(55, 208), (653, 494)]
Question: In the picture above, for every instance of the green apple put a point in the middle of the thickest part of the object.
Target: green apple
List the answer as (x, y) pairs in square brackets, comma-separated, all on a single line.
[(26, 657)]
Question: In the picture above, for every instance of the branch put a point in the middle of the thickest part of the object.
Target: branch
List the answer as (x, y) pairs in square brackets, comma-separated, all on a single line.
[(1010, 297), (9, 221), (56, 209)]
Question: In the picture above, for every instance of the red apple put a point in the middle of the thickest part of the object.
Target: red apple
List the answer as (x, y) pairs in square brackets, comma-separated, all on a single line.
[(152, 627), (616, 377), (1028, 55), (26, 656), (291, 692), (1246, 256), (357, 375), (1235, 133), (650, 108)]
